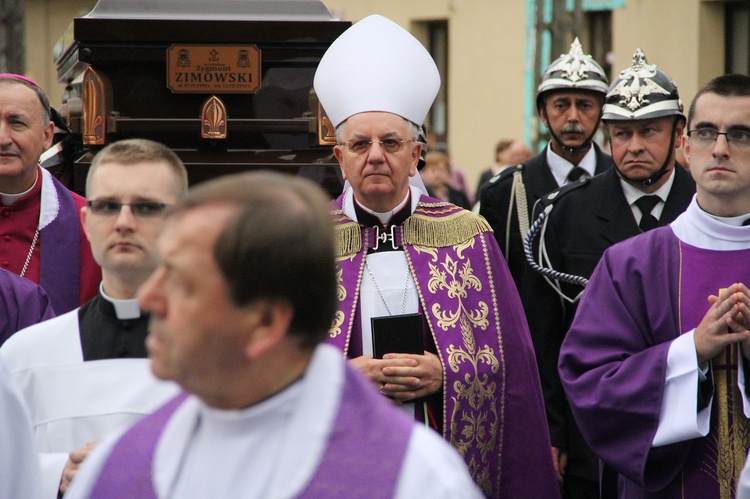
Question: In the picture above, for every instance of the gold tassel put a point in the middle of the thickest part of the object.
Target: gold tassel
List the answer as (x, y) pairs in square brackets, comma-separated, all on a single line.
[(348, 239), (450, 230)]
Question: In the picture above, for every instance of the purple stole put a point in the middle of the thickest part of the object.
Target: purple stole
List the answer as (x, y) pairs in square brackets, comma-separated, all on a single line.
[(366, 448), (714, 463), (127, 471), (451, 260), (60, 262), (363, 458)]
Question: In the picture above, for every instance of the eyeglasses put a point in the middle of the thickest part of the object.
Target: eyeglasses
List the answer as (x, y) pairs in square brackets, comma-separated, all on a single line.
[(391, 146), (706, 137), (146, 209)]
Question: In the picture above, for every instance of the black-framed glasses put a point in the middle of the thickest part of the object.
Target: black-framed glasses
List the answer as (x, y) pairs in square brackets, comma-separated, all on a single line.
[(705, 137), (107, 207), (391, 146)]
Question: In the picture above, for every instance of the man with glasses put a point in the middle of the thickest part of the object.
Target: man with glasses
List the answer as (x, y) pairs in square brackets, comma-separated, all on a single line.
[(427, 270), (42, 239), (586, 218), (655, 361), (85, 373)]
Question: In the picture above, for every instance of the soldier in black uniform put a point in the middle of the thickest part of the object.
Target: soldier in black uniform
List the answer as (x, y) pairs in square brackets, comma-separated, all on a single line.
[(645, 189), (569, 102)]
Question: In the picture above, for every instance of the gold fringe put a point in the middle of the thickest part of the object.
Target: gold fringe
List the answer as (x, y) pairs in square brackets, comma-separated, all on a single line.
[(451, 230), (348, 239), (419, 229)]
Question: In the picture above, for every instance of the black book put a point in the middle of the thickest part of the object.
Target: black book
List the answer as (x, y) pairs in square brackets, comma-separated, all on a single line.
[(397, 334)]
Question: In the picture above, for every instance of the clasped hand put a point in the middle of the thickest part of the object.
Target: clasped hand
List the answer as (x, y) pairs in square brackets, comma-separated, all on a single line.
[(725, 323), (401, 376)]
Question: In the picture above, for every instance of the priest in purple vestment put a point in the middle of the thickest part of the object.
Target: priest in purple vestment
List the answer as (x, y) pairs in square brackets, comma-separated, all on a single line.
[(42, 236), (654, 364), (239, 310), (424, 270)]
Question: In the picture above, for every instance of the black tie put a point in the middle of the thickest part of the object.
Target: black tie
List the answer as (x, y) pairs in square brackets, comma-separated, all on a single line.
[(576, 173), (646, 204)]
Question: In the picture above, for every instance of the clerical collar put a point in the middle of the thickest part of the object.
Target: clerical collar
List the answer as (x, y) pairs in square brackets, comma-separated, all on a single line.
[(124, 309), (560, 167), (347, 203), (703, 230), (369, 218), (10, 199), (384, 219), (734, 221)]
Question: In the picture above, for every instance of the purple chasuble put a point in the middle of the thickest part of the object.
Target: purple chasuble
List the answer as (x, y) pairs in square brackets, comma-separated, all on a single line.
[(491, 406), (715, 462), (127, 471), (60, 263), (22, 304), (362, 460), (644, 293)]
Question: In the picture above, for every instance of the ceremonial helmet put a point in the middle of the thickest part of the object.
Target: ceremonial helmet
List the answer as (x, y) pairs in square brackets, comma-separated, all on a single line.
[(642, 92), (574, 70)]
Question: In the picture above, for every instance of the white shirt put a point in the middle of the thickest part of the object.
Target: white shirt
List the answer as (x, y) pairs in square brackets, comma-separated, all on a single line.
[(19, 467), (633, 194), (272, 449), (561, 167), (73, 402)]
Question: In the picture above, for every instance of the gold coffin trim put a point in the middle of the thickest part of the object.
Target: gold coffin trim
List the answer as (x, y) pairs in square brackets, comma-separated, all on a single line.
[(96, 102), (214, 119), (326, 131)]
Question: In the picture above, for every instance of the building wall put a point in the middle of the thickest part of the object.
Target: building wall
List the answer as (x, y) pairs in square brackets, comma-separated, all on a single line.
[(489, 92), (488, 85), (685, 38), (487, 55), (46, 21)]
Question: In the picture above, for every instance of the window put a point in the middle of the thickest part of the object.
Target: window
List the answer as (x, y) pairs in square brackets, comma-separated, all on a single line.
[(737, 58), (437, 119)]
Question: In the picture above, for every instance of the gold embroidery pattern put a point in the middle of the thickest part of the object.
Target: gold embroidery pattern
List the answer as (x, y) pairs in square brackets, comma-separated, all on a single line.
[(476, 429), (501, 355), (338, 320), (340, 316), (447, 208), (456, 278), (732, 440), (340, 289)]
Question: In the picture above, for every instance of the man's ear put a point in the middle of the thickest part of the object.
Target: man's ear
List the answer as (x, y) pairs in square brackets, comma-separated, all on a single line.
[(686, 150), (541, 110), (415, 154), (268, 324), (338, 154), (679, 130), (49, 134), (83, 215)]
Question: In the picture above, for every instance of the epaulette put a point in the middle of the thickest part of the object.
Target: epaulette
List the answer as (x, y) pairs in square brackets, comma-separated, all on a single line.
[(505, 173), (439, 225), (555, 195), (434, 225)]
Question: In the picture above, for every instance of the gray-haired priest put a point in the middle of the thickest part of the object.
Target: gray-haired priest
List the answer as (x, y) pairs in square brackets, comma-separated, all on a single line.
[(427, 308)]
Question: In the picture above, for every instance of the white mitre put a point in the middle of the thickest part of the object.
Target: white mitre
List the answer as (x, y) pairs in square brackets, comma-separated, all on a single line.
[(376, 65)]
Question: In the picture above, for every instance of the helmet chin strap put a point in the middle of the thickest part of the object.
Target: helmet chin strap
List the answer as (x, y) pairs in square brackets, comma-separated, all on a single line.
[(661, 172)]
